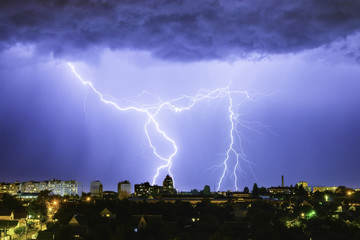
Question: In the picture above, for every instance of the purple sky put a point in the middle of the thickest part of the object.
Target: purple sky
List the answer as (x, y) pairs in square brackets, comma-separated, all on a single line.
[(300, 60)]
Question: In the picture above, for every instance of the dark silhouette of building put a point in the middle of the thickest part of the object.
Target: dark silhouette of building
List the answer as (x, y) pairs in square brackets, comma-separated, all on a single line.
[(96, 189), (168, 185), (142, 190)]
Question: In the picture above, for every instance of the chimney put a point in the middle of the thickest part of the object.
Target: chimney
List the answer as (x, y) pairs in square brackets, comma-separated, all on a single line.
[(282, 180)]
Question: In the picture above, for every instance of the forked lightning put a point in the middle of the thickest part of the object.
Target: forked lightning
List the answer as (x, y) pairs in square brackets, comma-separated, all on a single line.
[(178, 105)]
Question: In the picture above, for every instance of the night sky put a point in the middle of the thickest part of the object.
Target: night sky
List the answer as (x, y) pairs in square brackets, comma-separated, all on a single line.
[(299, 60)]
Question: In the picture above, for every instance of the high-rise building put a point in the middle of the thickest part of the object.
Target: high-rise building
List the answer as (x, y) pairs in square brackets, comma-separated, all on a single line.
[(168, 185), (70, 187), (142, 190), (30, 187), (96, 189), (57, 187), (124, 189)]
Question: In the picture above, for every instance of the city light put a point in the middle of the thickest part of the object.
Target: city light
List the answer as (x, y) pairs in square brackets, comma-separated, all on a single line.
[(311, 214)]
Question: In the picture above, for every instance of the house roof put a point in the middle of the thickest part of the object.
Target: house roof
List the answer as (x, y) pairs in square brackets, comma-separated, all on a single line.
[(105, 211), (74, 221), (146, 220)]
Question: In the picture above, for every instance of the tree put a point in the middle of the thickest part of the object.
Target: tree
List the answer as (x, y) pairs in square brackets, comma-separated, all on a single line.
[(300, 191), (194, 191), (262, 191), (342, 190), (10, 202), (255, 190), (43, 196), (246, 190), (206, 190), (37, 210), (20, 230)]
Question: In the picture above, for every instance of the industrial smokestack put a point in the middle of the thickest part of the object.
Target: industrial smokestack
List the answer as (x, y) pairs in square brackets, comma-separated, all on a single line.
[(282, 180)]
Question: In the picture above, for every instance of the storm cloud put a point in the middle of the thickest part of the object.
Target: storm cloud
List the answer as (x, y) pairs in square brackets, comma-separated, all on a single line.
[(178, 30)]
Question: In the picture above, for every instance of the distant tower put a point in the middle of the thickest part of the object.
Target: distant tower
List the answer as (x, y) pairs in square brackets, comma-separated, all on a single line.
[(96, 189), (124, 189), (168, 185), (282, 180)]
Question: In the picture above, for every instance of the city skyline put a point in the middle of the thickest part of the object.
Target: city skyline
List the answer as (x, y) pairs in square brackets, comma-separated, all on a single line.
[(295, 65)]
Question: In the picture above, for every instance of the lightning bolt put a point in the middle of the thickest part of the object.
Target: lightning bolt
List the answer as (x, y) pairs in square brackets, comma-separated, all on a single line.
[(178, 105)]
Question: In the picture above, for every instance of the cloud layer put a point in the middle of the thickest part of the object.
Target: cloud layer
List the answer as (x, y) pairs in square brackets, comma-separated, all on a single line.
[(176, 29)]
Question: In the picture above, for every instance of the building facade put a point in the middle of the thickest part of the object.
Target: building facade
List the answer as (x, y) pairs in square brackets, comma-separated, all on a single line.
[(304, 185), (323, 189), (96, 189), (124, 189), (142, 190), (57, 187), (168, 185)]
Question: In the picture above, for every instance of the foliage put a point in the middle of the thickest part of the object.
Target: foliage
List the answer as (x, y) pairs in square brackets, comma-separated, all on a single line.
[(206, 190), (255, 190), (20, 230), (10, 202), (38, 210)]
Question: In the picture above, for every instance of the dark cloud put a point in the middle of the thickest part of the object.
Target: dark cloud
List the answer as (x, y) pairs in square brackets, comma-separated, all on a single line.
[(176, 29)]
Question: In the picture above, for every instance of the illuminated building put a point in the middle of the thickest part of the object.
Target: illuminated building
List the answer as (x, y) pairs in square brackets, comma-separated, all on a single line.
[(14, 188), (168, 185), (124, 189), (110, 195), (4, 188), (279, 190), (323, 189), (30, 187), (58, 187), (55, 186), (142, 190), (304, 185), (156, 190), (96, 189)]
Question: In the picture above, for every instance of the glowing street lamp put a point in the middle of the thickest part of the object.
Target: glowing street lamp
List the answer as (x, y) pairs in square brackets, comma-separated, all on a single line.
[(326, 198)]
